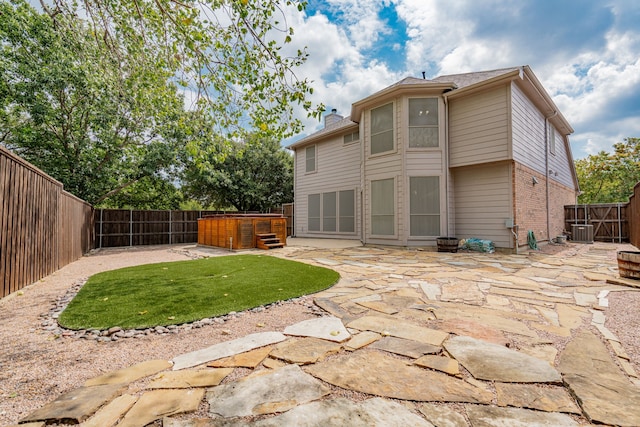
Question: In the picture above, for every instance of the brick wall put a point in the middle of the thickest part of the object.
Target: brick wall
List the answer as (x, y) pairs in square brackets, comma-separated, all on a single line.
[(531, 203)]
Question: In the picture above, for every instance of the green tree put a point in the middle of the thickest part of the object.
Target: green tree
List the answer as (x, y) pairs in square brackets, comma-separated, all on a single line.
[(236, 57), (95, 123), (252, 176), (610, 177), (150, 192)]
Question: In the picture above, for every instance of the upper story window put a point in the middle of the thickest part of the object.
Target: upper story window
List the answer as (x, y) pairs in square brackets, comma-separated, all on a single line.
[(382, 129), (310, 158), (552, 139), (423, 122), (352, 137)]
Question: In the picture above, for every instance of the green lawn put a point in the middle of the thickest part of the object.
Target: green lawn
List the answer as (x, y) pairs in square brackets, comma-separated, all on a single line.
[(185, 291)]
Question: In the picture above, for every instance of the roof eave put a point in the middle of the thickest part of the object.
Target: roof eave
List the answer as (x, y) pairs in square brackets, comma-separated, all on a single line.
[(319, 136)]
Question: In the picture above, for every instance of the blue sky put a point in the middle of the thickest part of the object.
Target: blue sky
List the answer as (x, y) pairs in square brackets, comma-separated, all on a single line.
[(586, 53)]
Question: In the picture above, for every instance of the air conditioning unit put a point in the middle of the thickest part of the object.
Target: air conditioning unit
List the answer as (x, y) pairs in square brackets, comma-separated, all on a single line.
[(582, 233)]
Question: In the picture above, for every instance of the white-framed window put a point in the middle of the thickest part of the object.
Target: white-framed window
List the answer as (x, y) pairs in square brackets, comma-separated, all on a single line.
[(310, 159), (552, 139), (382, 129), (351, 137), (313, 219), (383, 207), (424, 206), (423, 123), (332, 212)]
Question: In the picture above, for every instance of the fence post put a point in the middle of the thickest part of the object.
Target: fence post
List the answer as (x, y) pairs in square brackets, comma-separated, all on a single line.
[(170, 225), (619, 225), (130, 227), (101, 222)]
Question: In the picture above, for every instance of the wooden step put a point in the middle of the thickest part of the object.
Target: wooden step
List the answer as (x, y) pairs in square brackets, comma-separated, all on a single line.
[(266, 235), (268, 241), (267, 246)]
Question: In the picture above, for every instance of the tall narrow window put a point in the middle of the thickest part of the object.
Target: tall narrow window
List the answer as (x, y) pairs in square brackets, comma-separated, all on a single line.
[(347, 209), (552, 139), (424, 210), (382, 129), (310, 159), (314, 212), (329, 211), (382, 207), (423, 122)]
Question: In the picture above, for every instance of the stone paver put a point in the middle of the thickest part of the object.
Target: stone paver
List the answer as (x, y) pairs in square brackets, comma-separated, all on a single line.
[(405, 347), (399, 329), (442, 416), (434, 312), (487, 361), (326, 328), (248, 359), (490, 416), (226, 349), (189, 379), (267, 393), (130, 374), (439, 363), (156, 404), (76, 405), (375, 373), (604, 392), (534, 396), (374, 412), (112, 412), (304, 350)]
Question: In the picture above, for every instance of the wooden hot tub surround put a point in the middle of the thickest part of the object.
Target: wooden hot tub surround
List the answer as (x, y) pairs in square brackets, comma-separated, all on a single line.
[(243, 231)]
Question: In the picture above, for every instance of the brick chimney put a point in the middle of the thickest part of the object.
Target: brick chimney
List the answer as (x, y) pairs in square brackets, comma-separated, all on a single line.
[(332, 118)]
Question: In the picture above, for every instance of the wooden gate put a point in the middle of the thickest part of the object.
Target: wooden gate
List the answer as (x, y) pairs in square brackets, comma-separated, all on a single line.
[(610, 220)]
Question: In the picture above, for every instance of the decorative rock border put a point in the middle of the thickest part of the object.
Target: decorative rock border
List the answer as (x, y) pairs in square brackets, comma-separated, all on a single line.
[(49, 320)]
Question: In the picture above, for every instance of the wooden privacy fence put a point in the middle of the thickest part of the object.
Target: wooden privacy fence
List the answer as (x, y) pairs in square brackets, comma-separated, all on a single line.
[(42, 227), (610, 221), (126, 227), (634, 217)]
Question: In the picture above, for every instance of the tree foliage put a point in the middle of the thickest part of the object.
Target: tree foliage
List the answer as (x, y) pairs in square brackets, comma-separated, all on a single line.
[(93, 91), (95, 123), (234, 56), (252, 176), (610, 177)]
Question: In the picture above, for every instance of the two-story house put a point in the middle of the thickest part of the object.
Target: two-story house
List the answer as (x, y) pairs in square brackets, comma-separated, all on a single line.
[(483, 154)]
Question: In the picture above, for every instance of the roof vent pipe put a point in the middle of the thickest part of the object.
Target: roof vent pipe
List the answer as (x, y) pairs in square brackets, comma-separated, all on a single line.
[(424, 75)]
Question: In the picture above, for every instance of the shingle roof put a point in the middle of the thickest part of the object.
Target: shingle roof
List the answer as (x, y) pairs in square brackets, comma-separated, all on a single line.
[(468, 79)]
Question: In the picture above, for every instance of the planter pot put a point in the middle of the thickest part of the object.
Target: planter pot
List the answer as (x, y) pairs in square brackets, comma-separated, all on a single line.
[(629, 264), (447, 244)]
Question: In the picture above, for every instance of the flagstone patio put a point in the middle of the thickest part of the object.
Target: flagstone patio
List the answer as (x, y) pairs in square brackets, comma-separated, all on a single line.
[(416, 337)]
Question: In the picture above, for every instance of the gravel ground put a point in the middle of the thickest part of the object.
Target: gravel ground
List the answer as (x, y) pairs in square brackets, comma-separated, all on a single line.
[(623, 319), (36, 367)]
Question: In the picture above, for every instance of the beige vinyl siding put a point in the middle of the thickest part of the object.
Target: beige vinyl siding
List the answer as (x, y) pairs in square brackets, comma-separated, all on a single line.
[(528, 140), (483, 201), (338, 168), (527, 131), (479, 128), (560, 163)]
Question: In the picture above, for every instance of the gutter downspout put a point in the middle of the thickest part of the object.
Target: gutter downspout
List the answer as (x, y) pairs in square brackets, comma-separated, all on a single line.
[(451, 231), (363, 238), (546, 172)]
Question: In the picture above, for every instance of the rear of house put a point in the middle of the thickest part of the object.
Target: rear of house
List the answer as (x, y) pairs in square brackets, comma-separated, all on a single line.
[(481, 155)]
